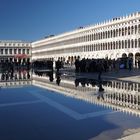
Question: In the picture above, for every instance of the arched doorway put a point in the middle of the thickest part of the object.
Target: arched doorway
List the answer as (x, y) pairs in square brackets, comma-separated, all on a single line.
[(137, 60), (130, 55), (72, 59), (78, 57), (124, 55)]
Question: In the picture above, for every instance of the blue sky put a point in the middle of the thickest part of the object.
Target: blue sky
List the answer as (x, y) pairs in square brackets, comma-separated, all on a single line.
[(31, 20)]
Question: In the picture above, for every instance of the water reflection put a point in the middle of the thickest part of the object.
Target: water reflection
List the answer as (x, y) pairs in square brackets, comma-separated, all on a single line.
[(50, 74), (120, 95), (58, 78), (15, 77)]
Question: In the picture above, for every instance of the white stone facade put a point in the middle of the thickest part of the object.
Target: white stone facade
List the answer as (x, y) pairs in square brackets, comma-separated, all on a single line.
[(14, 50), (111, 39)]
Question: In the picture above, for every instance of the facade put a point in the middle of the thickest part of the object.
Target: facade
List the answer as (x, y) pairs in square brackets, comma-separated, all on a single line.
[(15, 51), (112, 39)]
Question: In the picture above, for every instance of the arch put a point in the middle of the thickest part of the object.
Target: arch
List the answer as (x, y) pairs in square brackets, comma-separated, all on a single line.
[(125, 30), (128, 43), (136, 29), (139, 43), (78, 57), (139, 28), (114, 33), (101, 46), (105, 46), (136, 43), (101, 35), (111, 34), (130, 55), (111, 45), (119, 32), (108, 34), (72, 59), (128, 30), (132, 44), (119, 44), (124, 55), (137, 56), (122, 44), (125, 43), (122, 31), (132, 30), (116, 44)]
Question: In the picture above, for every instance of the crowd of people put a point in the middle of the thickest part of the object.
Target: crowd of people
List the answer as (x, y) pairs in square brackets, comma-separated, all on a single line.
[(98, 65), (47, 65)]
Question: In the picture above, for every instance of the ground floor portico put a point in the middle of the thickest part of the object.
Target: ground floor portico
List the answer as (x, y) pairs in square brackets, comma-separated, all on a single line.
[(70, 58)]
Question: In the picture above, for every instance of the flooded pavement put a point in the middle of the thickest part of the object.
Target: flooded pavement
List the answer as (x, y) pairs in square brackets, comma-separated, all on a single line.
[(55, 105)]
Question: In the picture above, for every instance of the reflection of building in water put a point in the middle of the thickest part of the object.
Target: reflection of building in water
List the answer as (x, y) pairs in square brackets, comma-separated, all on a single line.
[(15, 84), (115, 96), (15, 75), (124, 86), (115, 38)]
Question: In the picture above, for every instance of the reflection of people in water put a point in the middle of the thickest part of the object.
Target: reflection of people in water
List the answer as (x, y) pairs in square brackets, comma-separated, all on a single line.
[(101, 91), (76, 82), (50, 74), (100, 96), (58, 78)]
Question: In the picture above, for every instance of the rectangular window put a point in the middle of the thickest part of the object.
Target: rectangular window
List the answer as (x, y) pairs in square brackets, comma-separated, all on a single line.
[(19, 51), (28, 51), (23, 51), (6, 51), (10, 51), (1, 51), (15, 51)]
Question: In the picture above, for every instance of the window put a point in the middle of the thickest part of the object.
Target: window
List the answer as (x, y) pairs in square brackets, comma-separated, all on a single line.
[(6, 51), (128, 30), (139, 43), (28, 51), (139, 28), (10, 51), (15, 51), (128, 43), (23, 51), (1, 51), (19, 51), (136, 29), (132, 44), (135, 43), (132, 30)]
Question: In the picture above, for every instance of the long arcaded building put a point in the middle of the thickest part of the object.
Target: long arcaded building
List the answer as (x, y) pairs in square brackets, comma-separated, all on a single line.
[(119, 37)]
